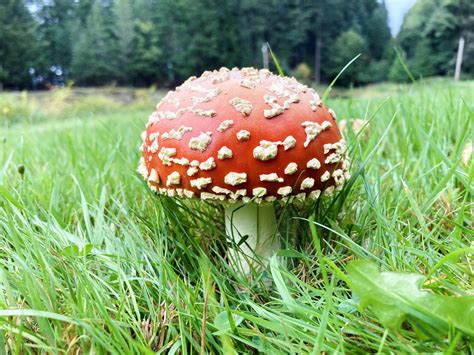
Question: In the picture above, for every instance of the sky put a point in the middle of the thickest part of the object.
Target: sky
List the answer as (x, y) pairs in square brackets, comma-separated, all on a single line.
[(396, 10)]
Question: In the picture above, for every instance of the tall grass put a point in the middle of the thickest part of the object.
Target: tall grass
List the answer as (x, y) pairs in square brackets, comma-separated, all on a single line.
[(91, 260)]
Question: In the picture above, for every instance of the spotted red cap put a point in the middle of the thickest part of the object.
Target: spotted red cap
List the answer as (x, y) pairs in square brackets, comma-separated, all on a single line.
[(243, 133)]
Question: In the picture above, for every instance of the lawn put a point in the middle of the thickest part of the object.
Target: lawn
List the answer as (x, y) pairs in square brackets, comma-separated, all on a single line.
[(92, 261)]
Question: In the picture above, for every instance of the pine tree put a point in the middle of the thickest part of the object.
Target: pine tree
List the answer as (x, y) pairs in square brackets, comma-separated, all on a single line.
[(430, 33), (377, 32), (328, 19), (143, 42), (123, 29), (58, 24), (465, 12), (18, 44), (348, 45), (95, 52), (189, 31)]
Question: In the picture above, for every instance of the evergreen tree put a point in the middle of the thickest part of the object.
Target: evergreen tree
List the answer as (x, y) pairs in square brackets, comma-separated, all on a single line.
[(123, 29), (148, 60), (143, 42), (430, 33), (58, 24), (95, 53), (18, 45), (348, 45), (378, 33), (464, 11), (328, 19), (331, 18), (190, 32), (397, 72)]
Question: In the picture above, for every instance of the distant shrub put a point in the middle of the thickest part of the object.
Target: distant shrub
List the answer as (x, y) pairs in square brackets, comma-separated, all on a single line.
[(396, 73), (420, 64), (348, 45), (376, 72), (303, 73)]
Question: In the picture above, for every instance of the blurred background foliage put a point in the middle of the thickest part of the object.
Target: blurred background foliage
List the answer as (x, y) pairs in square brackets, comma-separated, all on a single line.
[(45, 43)]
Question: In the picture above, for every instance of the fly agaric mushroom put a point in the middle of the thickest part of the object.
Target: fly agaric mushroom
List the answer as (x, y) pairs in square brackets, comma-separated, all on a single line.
[(245, 137)]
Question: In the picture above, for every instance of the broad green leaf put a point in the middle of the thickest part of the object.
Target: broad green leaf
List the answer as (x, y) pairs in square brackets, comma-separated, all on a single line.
[(398, 297), (76, 250), (223, 323)]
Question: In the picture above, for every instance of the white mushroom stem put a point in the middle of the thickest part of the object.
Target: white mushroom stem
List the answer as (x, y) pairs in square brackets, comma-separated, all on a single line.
[(257, 225)]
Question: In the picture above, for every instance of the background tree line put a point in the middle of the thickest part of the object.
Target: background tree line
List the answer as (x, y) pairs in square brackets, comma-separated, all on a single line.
[(144, 42)]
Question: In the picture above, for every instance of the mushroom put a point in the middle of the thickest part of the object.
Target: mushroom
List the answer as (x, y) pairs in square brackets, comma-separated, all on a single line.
[(245, 138)]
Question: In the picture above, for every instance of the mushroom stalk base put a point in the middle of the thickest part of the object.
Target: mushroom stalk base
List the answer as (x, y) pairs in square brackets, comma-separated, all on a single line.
[(257, 225)]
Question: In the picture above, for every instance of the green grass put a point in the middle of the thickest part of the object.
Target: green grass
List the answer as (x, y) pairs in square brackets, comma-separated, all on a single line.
[(91, 260)]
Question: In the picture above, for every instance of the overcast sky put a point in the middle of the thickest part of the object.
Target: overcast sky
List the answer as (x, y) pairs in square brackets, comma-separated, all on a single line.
[(396, 10)]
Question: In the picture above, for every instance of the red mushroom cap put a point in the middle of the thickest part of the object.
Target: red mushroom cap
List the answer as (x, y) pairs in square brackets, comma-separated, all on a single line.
[(239, 134)]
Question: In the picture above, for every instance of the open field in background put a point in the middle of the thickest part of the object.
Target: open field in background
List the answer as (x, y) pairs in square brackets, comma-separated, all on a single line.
[(90, 259)]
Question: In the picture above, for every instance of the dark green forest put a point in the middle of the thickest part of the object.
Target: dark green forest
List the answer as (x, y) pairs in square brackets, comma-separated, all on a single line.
[(161, 42)]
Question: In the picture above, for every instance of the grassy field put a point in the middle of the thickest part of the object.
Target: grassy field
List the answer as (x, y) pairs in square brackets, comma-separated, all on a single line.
[(91, 261)]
